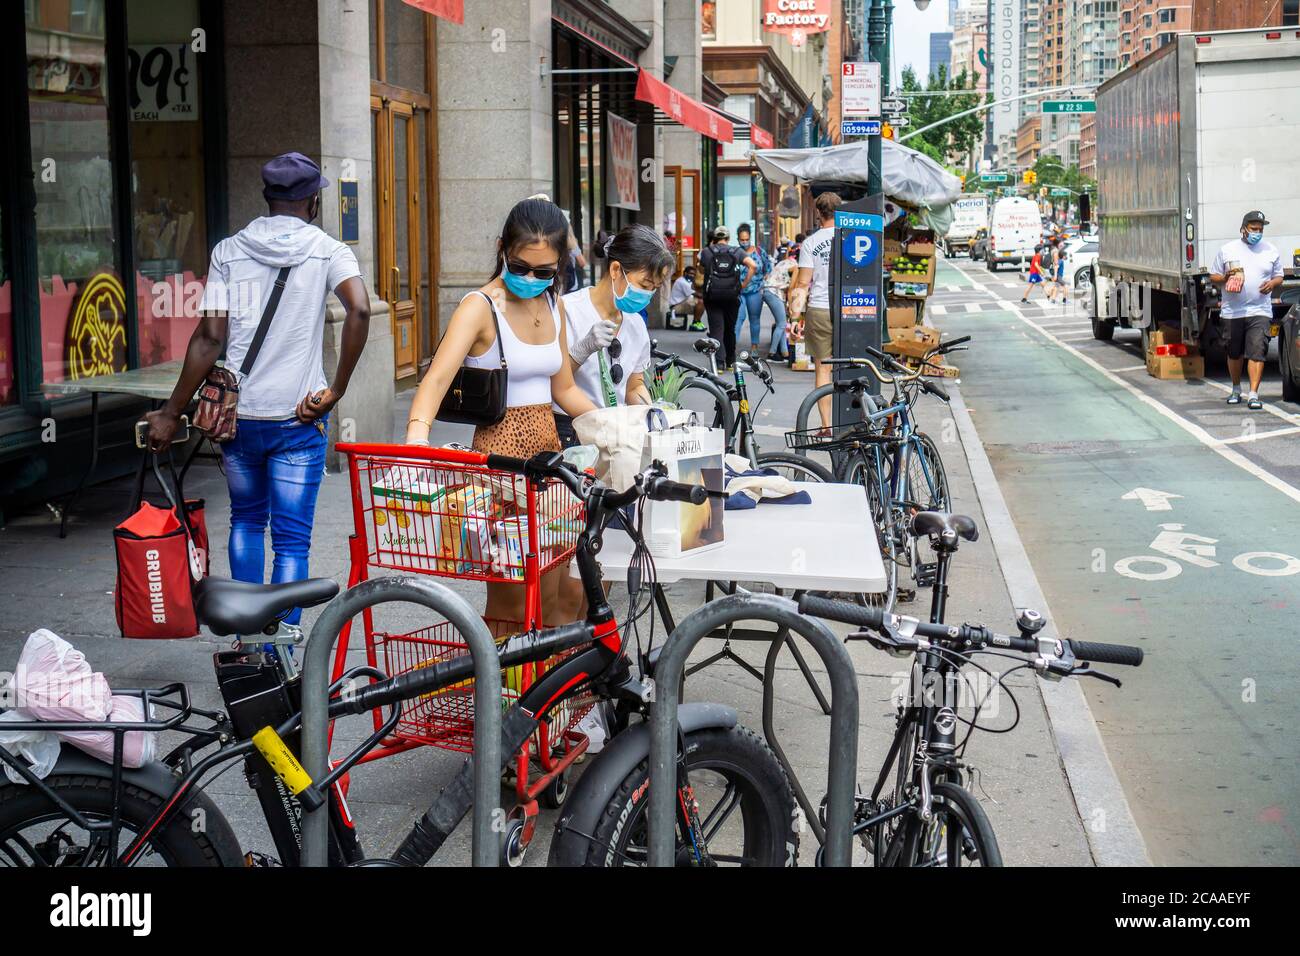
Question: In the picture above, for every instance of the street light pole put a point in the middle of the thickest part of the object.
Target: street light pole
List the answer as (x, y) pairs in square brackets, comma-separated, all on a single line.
[(878, 24)]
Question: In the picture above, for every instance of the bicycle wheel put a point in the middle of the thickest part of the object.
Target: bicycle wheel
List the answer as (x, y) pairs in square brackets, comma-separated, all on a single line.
[(861, 469), (959, 834), (795, 467), (926, 490), (710, 403), (746, 807), (34, 833)]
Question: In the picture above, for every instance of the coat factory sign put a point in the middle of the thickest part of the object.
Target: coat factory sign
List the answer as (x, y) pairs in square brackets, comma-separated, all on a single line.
[(796, 18)]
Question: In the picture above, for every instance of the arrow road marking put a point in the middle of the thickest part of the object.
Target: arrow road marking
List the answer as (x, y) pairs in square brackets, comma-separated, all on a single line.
[(1153, 500)]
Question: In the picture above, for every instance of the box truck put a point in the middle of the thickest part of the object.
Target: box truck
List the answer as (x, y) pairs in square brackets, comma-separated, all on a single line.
[(1188, 140), (970, 214)]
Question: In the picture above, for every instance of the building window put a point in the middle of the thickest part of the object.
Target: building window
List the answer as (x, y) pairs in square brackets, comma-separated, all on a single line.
[(1166, 38), (1128, 17), (1146, 21), (1290, 13), (1146, 45), (1167, 15), (708, 20), (169, 200), (82, 313)]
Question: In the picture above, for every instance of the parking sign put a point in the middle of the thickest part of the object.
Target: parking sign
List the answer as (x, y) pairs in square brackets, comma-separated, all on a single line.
[(860, 89)]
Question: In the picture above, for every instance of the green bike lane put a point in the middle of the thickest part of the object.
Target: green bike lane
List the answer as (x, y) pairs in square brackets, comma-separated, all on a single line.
[(1201, 736)]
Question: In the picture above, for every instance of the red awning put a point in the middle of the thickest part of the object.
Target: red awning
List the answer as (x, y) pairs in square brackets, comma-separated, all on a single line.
[(682, 108), (760, 138), (453, 10)]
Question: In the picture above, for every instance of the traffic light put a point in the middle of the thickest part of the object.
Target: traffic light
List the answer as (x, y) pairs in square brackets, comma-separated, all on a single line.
[(886, 131), (1031, 177)]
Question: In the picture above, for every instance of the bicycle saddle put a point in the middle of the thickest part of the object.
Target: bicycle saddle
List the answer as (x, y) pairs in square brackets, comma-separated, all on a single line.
[(707, 345), (235, 607), (949, 526)]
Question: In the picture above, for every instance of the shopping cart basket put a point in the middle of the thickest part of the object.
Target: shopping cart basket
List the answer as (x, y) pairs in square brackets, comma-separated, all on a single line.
[(444, 512)]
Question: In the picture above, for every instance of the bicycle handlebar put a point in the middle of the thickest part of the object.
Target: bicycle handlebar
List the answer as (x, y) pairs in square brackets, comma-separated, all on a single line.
[(965, 636)]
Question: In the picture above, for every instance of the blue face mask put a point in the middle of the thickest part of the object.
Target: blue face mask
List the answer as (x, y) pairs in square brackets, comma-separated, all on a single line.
[(632, 299), (526, 287), (1252, 238)]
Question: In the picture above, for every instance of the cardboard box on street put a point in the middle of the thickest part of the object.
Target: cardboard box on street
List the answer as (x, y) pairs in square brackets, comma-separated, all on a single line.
[(1176, 366), (920, 248), (902, 313)]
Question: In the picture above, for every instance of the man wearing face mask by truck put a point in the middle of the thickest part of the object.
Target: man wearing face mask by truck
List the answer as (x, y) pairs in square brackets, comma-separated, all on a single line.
[(1249, 269)]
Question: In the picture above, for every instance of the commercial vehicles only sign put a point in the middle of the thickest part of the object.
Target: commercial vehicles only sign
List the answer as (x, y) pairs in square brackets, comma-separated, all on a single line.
[(860, 89)]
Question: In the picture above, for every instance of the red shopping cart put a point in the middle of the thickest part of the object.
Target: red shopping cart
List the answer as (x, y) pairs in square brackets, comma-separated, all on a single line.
[(444, 512)]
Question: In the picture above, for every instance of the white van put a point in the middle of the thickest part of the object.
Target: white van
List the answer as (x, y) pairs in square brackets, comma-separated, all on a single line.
[(1015, 229)]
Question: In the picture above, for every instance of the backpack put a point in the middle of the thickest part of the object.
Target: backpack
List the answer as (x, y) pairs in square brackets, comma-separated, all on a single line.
[(722, 278)]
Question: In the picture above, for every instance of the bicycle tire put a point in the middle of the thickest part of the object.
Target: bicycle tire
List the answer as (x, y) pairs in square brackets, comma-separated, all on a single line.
[(934, 496), (175, 845), (768, 806), (810, 470), (856, 469), (952, 804), (724, 413), (940, 497)]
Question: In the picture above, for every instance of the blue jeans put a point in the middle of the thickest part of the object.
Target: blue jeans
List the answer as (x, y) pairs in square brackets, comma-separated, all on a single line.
[(751, 307), (273, 471), (772, 299)]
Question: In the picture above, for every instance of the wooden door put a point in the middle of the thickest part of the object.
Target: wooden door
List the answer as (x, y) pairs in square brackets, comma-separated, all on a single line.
[(686, 214), (398, 161)]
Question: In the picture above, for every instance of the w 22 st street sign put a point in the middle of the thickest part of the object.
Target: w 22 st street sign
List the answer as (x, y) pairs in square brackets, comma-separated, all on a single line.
[(859, 128), (1069, 106)]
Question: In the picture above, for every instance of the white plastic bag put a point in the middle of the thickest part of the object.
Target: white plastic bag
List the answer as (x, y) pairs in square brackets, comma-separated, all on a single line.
[(138, 747), (54, 681), (40, 748)]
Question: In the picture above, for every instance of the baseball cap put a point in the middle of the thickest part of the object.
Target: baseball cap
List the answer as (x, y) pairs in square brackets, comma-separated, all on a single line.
[(1253, 216), (291, 176), (722, 232)]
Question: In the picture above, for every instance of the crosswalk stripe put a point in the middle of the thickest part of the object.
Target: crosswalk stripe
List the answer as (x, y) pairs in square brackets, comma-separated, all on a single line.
[(936, 309), (973, 307)]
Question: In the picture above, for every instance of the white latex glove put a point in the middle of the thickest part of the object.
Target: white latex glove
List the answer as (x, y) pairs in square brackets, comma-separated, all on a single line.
[(601, 334)]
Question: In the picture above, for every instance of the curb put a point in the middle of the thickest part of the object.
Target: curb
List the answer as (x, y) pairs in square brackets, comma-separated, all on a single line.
[(1108, 824)]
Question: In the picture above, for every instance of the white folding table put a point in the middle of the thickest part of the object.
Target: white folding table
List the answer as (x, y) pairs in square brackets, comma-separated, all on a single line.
[(829, 544)]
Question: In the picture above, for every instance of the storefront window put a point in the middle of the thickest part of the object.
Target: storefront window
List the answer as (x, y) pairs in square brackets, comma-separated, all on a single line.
[(169, 211), (404, 46), (82, 299)]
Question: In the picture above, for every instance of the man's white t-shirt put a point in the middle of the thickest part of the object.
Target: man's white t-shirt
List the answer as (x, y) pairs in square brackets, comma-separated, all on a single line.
[(240, 278), (681, 291), (580, 316), (1261, 262), (815, 254)]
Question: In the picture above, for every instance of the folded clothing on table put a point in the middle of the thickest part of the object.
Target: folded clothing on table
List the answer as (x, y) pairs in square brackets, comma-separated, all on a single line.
[(747, 486)]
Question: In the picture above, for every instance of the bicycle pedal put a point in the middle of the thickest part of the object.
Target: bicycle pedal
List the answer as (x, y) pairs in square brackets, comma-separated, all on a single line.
[(260, 860), (906, 595)]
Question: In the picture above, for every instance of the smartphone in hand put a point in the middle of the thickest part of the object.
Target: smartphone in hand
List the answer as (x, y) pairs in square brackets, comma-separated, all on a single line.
[(181, 437)]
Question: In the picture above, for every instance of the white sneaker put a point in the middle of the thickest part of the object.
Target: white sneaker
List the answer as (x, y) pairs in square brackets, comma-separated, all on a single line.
[(1234, 397)]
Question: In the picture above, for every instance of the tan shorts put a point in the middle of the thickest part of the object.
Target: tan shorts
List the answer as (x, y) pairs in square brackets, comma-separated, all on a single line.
[(818, 335)]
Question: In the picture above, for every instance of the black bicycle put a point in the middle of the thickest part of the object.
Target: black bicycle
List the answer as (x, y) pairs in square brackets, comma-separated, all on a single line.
[(920, 811), (727, 405), (735, 803)]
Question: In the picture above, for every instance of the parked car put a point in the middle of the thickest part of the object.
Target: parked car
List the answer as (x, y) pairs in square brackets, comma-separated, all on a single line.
[(979, 246), (1288, 346), (1080, 253)]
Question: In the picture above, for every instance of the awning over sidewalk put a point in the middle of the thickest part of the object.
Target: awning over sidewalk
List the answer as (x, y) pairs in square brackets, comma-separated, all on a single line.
[(681, 108), (452, 10)]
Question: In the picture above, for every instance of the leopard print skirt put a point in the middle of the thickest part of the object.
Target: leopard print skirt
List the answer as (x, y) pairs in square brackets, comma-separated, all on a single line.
[(526, 430)]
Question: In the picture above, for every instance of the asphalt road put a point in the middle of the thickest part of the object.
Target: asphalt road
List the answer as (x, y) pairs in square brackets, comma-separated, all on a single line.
[(1153, 514)]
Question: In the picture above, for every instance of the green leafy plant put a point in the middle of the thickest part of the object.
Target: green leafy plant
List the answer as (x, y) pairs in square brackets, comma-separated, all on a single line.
[(667, 386)]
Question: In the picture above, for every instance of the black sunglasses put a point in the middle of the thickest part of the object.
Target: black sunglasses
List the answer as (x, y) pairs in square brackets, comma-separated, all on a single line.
[(615, 370), (523, 268)]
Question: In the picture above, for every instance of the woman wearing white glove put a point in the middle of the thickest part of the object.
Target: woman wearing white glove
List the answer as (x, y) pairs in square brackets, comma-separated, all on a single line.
[(610, 343)]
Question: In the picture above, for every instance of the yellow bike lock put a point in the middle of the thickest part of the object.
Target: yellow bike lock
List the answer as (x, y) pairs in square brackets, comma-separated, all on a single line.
[(286, 766)]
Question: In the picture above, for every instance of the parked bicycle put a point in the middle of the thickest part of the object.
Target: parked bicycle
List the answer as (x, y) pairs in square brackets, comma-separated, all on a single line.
[(928, 816), (735, 803), (727, 405), (899, 465)]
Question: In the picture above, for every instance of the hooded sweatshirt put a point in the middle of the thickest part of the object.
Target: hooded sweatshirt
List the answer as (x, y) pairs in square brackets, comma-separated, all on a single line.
[(240, 279)]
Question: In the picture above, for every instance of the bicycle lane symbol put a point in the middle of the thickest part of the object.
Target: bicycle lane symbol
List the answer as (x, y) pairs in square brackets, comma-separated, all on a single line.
[(1176, 545)]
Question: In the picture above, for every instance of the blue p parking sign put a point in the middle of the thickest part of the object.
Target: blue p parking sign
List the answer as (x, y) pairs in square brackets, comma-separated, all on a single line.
[(860, 248)]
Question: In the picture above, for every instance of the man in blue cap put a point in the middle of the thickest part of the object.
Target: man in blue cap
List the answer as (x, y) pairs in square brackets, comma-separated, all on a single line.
[(264, 305)]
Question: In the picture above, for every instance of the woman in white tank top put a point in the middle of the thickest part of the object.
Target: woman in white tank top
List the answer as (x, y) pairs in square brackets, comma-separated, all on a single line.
[(522, 294)]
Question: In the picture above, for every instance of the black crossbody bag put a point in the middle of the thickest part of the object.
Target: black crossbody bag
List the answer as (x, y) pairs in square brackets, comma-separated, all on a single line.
[(477, 396)]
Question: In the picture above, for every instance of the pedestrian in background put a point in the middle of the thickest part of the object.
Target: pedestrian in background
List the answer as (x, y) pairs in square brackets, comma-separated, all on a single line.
[(683, 301), (1035, 273), (811, 285), (724, 271), (275, 461), (751, 296), (1249, 269), (775, 287)]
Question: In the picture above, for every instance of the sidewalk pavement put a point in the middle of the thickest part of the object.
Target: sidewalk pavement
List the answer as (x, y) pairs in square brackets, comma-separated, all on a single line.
[(66, 586)]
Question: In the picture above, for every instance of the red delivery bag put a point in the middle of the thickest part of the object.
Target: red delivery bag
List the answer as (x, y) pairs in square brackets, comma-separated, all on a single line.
[(158, 561)]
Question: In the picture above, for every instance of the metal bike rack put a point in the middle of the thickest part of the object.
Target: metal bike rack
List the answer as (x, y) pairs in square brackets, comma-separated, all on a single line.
[(670, 672), (487, 701)]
